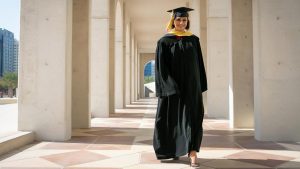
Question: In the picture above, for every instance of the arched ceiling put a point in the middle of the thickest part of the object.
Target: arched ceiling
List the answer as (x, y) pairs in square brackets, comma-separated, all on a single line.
[(148, 19)]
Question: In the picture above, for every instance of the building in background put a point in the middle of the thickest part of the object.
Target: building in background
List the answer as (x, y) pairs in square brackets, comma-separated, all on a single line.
[(9, 48), (1, 51), (16, 56), (150, 69)]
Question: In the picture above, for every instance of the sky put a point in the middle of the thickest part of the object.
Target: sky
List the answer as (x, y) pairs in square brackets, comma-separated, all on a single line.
[(10, 16)]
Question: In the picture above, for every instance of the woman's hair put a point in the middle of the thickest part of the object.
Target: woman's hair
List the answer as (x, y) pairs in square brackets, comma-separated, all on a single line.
[(187, 25)]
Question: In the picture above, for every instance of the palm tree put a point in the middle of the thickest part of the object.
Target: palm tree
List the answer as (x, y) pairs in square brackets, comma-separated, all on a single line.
[(10, 82), (2, 88)]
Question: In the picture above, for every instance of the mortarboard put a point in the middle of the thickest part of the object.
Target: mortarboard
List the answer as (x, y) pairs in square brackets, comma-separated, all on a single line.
[(181, 11)]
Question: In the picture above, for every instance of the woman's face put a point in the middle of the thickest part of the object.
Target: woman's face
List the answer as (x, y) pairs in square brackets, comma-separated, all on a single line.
[(180, 23)]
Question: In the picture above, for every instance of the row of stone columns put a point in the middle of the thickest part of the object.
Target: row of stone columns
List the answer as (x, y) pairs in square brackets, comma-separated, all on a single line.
[(225, 30), (78, 59), (251, 63)]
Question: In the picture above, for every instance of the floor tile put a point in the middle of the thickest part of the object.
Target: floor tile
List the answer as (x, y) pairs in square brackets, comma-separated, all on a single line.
[(295, 164), (65, 146), (233, 164), (249, 142), (268, 160), (74, 158), (115, 153), (115, 162), (35, 154), (29, 163)]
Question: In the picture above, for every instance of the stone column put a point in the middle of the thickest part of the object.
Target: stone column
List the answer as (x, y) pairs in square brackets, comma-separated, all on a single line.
[(124, 54), (241, 64), (195, 17), (276, 39), (127, 67), (138, 75), (132, 59), (203, 29), (99, 58), (112, 56), (119, 55), (203, 41), (135, 71), (141, 75), (46, 69), (198, 25), (217, 58), (80, 62)]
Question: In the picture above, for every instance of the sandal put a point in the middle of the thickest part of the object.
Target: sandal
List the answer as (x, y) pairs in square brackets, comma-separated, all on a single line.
[(194, 165)]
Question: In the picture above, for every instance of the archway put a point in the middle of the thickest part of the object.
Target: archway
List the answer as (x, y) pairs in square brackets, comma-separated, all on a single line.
[(149, 79), (146, 58)]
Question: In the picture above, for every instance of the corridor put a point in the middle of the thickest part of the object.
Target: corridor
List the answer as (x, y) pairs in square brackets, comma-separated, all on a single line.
[(124, 140)]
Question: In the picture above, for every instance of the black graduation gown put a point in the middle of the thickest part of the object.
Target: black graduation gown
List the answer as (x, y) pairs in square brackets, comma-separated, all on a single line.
[(180, 80)]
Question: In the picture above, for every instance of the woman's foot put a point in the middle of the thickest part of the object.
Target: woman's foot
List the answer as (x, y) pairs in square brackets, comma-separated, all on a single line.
[(193, 159)]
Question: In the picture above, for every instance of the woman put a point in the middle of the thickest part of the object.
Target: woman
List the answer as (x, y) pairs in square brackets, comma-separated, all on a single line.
[(180, 81)]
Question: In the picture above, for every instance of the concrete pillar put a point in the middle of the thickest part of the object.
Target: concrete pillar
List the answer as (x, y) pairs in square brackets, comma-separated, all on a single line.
[(203, 41), (80, 62), (135, 72), (198, 26), (203, 29), (132, 60), (112, 56), (119, 55), (124, 53), (217, 58), (195, 17), (241, 64), (141, 75), (140, 81), (276, 39), (127, 67), (138, 75), (46, 69), (99, 58)]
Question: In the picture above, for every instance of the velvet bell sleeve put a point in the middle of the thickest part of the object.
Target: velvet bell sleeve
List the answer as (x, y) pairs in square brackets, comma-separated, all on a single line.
[(203, 79), (164, 83)]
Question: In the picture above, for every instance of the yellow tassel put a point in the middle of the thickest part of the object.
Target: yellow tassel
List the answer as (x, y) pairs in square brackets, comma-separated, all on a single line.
[(170, 23)]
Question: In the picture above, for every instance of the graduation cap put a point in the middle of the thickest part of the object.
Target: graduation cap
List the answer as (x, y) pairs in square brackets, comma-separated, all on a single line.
[(181, 11)]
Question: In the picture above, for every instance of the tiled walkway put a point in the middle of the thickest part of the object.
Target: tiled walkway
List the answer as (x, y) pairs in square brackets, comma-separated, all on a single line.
[(125, 141)]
